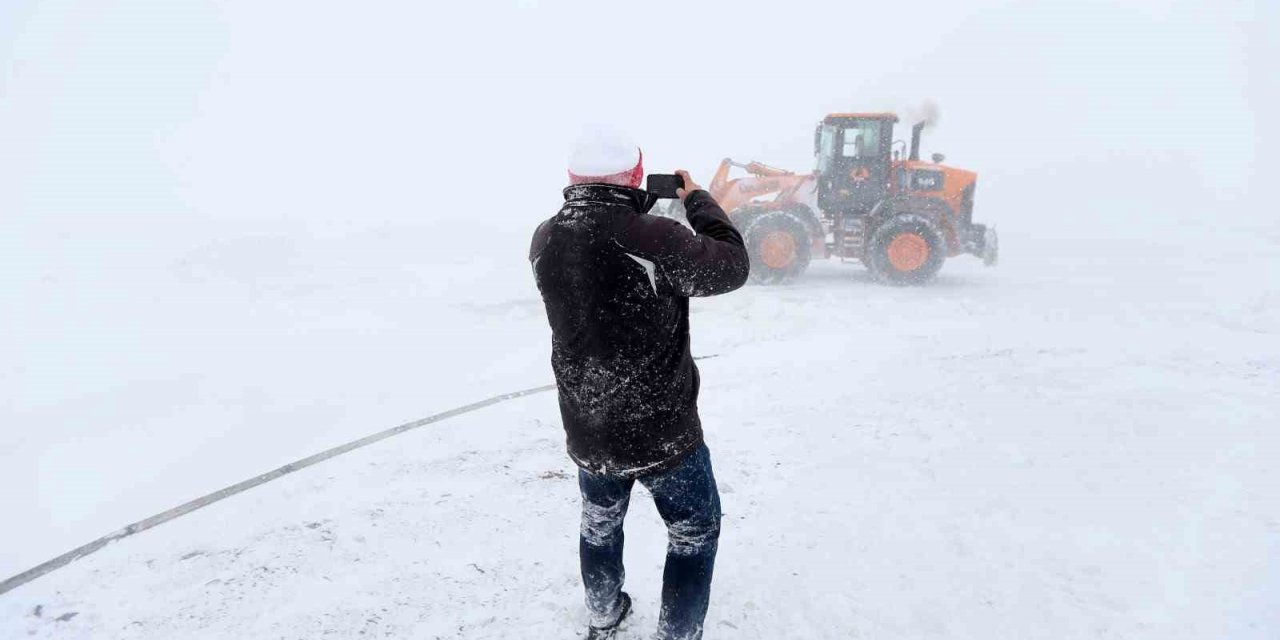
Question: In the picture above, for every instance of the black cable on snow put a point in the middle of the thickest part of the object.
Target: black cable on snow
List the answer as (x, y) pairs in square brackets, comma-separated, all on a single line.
[(222, 494)]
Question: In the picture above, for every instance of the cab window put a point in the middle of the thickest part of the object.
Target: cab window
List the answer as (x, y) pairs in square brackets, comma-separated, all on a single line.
[(826, 147), (862, 141)]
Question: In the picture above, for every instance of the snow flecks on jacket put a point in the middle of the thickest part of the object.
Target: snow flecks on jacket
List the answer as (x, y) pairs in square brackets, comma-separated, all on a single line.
[(616, 284)]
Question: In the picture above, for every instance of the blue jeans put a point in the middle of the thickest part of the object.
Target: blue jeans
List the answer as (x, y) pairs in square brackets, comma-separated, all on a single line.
[(689, 503)]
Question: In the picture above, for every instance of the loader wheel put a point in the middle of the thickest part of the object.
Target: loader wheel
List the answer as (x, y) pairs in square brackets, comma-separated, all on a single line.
[(779, 248), (906, 250)]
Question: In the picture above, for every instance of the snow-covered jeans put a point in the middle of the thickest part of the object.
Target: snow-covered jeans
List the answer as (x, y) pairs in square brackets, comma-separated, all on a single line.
[(689, 503)]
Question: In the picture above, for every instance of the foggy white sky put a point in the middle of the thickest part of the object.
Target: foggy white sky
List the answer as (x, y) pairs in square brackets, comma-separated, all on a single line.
[(173, 112)]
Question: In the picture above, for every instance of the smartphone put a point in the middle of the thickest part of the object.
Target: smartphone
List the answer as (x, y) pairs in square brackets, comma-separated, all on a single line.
[(664, 185)]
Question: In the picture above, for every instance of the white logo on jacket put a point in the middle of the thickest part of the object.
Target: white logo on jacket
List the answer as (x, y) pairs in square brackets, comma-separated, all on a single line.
[(649, 270)]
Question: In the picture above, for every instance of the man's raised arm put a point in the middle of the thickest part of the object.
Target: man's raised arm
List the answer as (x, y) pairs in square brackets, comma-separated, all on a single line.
[(712, 260)]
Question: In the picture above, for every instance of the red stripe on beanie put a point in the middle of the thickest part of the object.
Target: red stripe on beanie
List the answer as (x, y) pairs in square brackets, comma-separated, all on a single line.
[(630, 178)]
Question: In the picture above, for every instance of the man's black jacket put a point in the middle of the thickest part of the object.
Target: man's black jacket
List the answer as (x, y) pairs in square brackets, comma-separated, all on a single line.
[(616, 283)]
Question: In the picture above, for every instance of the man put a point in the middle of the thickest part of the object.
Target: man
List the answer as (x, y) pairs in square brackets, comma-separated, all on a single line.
[(616, 283)]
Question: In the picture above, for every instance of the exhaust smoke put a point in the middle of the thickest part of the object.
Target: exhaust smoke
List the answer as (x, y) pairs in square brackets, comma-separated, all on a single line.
[(928, 113)]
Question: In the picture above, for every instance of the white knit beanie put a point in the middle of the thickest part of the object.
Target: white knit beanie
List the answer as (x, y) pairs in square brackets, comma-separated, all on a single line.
[(605, 155)]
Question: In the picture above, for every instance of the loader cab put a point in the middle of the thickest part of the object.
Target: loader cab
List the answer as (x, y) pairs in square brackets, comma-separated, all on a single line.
[(853, 161)]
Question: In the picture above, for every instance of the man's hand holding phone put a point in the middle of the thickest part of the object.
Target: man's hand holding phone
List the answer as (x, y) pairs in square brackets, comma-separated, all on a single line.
[(679, 185), (689, 185)]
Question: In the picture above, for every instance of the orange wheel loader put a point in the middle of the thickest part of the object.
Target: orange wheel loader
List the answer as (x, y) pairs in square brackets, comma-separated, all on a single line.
[(902, 218)]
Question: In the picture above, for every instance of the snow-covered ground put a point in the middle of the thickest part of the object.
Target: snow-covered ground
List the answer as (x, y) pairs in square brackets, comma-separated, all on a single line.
[(1080, 443)]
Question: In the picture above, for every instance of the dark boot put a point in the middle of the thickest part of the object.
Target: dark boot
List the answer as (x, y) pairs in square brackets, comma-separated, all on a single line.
[(605, 633)]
